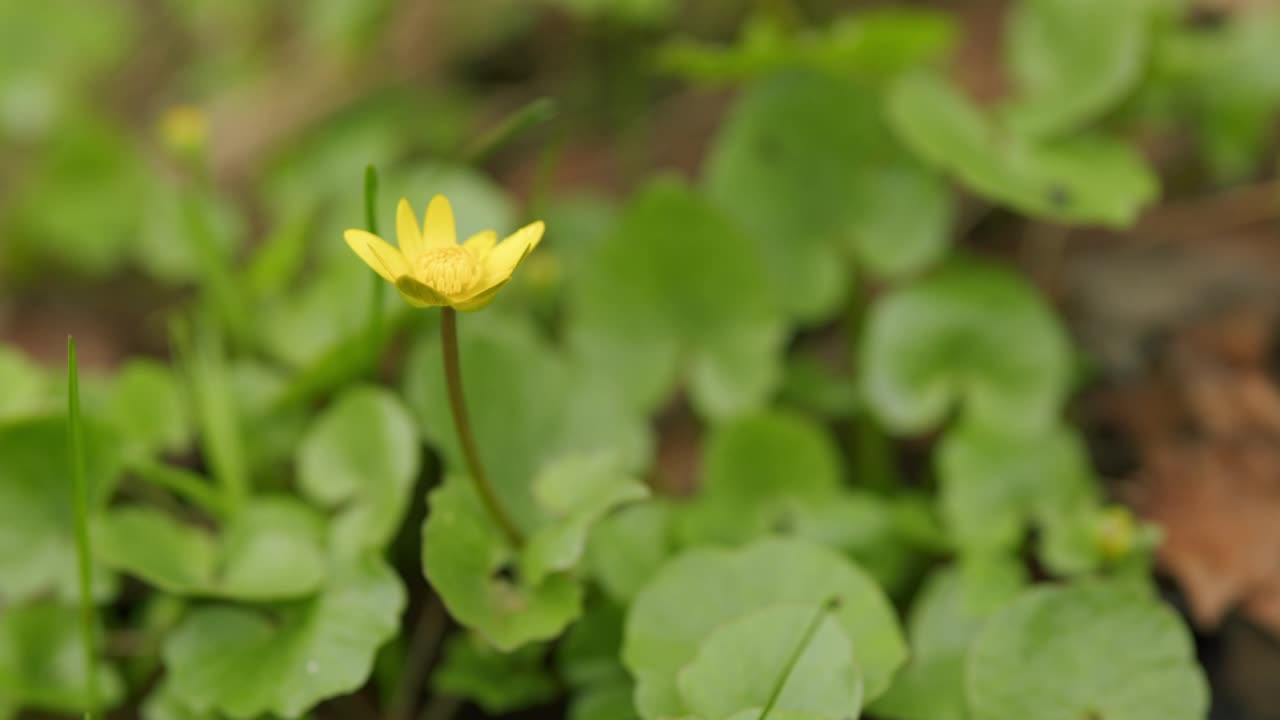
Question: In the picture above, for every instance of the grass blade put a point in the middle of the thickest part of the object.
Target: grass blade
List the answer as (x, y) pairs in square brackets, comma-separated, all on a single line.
[(80, 495)]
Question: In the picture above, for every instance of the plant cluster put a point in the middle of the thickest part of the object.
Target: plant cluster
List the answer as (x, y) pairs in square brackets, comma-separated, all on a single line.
[(255, 508)]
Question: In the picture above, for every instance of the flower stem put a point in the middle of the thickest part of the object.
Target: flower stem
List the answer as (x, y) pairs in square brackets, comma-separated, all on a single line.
[(80, 494), (462, 423)]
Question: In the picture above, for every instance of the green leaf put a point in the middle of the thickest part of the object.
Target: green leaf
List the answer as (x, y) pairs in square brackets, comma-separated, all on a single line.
[(1079, 179), (272, 549), (677, 280), (1068, 68), (874, 530), (874, 45), (300, 655), (528, 406), (970, 334), (928, 688), (469, 564), (27, 385), (147, 407), (147, 543), (995, 484), (901, 216), (575, 492), (42, 663), (789, 657), (361, 455), (1220, 80), (37, 542), (1097, 650), (163, 704), (758, 470), (702, 589), (587, 655), (945, 618), (807, 167), (626, 548), (587, 659), (510, 597), (605, 702), (302, 326), (78, 203), (498, 682)]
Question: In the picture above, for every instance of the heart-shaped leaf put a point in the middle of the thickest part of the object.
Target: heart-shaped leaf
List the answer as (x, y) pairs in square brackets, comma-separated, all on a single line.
[(677, 280), (300, 655), (995, 484), (471, 566), (809, 170), (1080, 179), (147, 407), (1069, 68), (511, 597), (272, 549), (1100, 651), (626, 548), (969, 334), (945, 618), (702, 589), (361, 455), (757, 470), (788, 658), (575, 493)]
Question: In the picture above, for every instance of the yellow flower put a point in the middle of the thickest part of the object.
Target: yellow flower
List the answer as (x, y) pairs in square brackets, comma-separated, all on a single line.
[(431, 268), (183, 128)]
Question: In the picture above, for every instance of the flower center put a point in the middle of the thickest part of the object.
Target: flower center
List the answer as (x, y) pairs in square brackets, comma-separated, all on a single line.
[(448, 270)]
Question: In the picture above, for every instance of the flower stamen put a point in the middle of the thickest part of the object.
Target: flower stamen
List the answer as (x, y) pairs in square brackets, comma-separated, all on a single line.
[(449, 271)]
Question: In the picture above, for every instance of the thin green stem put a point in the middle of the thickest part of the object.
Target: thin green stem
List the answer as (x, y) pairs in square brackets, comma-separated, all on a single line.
[(80, 495), (182, 482), (376, 296), (807, 637), (462, 423), (204, 361), (532, 114)]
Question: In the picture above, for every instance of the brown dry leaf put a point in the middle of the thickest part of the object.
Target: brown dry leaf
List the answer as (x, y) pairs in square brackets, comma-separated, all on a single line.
[(1220, 509), (1208, 430)]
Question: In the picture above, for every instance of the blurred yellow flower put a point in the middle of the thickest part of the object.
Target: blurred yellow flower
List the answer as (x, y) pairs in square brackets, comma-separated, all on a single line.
[(430, 268), (183, 128), (1116, 532)]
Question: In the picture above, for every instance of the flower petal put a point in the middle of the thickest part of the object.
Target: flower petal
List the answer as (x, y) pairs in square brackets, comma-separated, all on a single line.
[(504, 258), (419, 294), (475, 302), (481, 243), (377, 254), (407, 233), (438, 228)]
